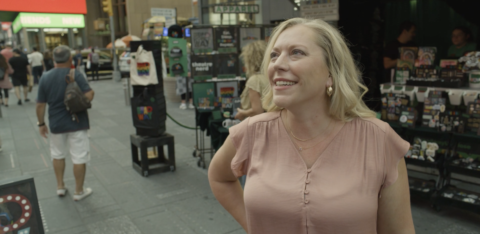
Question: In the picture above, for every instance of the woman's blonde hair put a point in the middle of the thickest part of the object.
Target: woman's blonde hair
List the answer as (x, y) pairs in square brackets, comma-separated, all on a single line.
[(252, 56), (346, 102)]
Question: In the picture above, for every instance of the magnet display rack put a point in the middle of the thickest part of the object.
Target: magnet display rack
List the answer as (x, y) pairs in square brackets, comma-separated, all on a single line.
[(201, 148), (446, 168)]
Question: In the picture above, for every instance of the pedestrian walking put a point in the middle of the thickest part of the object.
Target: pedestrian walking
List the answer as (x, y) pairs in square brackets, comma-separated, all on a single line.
[(5, 84), (48, 61), (94, 59), (78, 62), (21, 69), (38, 66), (65, 131), (7, 52)]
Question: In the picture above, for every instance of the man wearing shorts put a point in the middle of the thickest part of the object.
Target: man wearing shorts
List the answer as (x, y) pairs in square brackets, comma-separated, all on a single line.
[(65, 131), (21, 68)]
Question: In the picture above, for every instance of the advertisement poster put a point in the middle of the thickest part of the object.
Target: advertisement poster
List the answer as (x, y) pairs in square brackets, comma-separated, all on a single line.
[(226, 65), (226, 40), (177, 51), (202, 67), (248, 35), (202, 40), (19, 209)]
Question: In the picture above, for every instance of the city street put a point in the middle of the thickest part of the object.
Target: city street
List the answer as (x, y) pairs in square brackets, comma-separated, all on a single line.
[(125, 202)]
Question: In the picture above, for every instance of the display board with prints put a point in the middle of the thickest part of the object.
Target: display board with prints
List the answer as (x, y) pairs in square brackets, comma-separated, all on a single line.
[(178, 62), (226, 40), (202, 40)]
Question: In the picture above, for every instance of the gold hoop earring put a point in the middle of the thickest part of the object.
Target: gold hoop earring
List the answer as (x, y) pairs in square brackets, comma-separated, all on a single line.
[(329, 91)]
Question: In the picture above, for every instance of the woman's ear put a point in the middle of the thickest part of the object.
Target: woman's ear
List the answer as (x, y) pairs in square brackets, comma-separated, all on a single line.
[(330, 81)]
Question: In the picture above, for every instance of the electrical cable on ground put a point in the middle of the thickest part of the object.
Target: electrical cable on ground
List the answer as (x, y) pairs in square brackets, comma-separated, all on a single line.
[(181, 125)]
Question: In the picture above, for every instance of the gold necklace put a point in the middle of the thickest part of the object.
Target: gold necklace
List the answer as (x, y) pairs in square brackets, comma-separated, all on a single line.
[(305, 148), (310, 138)]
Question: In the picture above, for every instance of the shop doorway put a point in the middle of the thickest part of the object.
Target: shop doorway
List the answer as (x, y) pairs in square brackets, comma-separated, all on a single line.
[(55, 39)]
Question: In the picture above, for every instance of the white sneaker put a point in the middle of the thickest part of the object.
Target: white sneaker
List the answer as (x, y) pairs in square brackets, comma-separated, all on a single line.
[(191, 106), (183, 106), (84, 194)]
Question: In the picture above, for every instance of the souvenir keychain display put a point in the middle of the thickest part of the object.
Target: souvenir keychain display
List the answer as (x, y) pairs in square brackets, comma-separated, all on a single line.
[(452, 193), (422, 150)]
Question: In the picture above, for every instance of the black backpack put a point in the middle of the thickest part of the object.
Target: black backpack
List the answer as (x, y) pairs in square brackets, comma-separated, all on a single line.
[(75, 100)]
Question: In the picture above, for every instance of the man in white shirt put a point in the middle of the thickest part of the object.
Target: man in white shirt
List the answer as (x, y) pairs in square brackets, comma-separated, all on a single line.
[(38, 66)]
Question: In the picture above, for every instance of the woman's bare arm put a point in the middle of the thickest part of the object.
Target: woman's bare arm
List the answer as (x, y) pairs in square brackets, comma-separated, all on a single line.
[(256, 106), (225, 186), (394, 213)]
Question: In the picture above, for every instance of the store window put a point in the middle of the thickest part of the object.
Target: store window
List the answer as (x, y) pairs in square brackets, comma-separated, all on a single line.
[(32, 35), (209, 17)]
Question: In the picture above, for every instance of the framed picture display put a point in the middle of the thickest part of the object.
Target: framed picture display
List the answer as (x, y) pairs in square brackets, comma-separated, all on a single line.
[(202, 40), (227, 89), (19, 208), (226, 40), (202, 67), (226, 65), (203, 93), (248, 35)]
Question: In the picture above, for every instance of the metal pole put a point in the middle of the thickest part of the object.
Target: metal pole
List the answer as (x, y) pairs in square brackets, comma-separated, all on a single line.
[(116, 74)]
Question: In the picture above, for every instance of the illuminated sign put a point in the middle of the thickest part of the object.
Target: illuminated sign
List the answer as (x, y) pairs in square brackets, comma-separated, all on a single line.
[(39, 20)]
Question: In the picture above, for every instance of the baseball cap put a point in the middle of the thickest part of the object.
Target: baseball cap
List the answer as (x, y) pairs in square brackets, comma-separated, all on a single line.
[(177, 68), (176, 52)]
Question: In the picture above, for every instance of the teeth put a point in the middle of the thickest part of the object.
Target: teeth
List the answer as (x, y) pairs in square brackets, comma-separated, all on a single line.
[(284, 83)]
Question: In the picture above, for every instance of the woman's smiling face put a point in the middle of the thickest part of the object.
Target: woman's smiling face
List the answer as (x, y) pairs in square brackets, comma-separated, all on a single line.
[(297, 71)]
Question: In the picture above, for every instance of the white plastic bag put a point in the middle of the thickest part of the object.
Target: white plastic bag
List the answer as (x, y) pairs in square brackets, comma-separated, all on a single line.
[(142, 68)]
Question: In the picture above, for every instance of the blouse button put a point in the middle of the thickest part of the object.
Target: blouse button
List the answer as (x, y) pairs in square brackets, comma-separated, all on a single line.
[(307, 182), (306, 192), (307, 201), (309, 170)]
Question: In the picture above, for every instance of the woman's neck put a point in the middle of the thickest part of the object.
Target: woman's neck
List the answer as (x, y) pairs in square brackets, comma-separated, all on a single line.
[(307, 123)]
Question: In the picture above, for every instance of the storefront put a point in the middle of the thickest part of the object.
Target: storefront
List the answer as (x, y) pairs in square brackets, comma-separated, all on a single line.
[(46, 31), (223, 13)]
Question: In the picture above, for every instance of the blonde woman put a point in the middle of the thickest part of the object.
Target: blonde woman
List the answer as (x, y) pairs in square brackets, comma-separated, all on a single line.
[(257, 84), (319, 161)]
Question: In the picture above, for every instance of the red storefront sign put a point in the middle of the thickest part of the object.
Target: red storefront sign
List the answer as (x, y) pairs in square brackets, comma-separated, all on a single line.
[(45, 6), (6, 26)]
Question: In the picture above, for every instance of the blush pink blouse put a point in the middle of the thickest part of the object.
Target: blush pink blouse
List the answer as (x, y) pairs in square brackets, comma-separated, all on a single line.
[(338, 194)]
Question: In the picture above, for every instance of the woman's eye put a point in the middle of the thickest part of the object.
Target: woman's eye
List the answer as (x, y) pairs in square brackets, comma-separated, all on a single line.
[(298, 52), (273, 55)]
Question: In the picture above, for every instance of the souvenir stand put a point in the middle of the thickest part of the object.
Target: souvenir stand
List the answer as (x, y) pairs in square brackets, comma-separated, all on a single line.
[(437, 109), (219, 79)]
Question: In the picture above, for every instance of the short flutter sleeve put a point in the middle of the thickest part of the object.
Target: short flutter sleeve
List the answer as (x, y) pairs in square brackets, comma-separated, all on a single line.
[(239, 134), (395, 149)]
